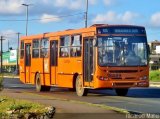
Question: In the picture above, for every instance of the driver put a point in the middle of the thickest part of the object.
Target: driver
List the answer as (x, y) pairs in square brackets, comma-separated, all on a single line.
[(132, 59)]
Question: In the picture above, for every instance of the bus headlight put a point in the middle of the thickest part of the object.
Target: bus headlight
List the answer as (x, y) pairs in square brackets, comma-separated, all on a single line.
[(103, 78)]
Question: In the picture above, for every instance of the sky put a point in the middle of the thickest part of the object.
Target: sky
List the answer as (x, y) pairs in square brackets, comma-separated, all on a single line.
[(57, 15)]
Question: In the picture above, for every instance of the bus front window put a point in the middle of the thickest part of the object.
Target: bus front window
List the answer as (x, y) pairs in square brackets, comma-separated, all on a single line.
[(122, 51)]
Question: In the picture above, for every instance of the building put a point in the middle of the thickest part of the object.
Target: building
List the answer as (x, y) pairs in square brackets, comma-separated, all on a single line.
[(9, 60), (155, 55)]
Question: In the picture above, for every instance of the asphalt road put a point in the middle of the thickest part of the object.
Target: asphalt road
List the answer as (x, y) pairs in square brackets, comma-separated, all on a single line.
[(143, 100)]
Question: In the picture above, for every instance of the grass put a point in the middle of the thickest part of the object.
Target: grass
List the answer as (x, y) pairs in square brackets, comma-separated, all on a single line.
[(154, 75), (19, 106)]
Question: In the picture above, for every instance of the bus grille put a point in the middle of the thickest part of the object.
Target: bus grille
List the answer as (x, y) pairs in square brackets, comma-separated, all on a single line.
[(124, 71)]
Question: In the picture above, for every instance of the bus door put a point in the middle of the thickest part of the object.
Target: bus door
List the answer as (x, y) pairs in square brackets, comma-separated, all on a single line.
[(53, 60), (27, 62), (88, 60)]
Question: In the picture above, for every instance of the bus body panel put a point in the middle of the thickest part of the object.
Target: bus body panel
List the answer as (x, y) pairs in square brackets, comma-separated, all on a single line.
[(22, 71), (46, 71), (66, 69)]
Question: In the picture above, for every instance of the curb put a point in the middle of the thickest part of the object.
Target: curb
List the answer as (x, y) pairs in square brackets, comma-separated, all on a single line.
[(154, 84), (11, 76)]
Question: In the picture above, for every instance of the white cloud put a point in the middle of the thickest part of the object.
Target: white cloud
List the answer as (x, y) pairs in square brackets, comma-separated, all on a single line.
[(112, 17), (69, 4), (46, 18), (46, 1), (108, 17), (92, 2), (108, 2), (10, 7), (128, 16), (155, 19), (9, 32), (73, 4)]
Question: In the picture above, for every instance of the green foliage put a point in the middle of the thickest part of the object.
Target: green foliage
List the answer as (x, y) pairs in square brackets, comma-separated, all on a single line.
[(154, 75), (20, 107), (8, 104), (2, 100)]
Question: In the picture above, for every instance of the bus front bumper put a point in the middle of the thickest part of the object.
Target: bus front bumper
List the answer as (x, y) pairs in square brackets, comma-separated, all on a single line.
[(130, 84), (123, 84)]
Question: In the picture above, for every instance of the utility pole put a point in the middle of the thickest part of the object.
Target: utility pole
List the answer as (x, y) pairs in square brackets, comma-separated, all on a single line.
[(17, 66), (26, 5), (8, 44), (86, 14), (1, 52)]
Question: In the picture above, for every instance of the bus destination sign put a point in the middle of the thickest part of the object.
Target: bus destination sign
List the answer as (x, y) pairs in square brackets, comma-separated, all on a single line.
[(121, 30)]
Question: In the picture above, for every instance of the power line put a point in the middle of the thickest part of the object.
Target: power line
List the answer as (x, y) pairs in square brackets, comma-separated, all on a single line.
[(6, 34), (38, 19)]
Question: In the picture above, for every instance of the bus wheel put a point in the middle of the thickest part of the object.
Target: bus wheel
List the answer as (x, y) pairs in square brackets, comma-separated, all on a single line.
[(121, 91), (79, 87), (39, 87)]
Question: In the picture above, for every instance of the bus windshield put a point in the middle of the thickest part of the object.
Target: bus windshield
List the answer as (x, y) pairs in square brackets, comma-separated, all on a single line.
[(122, 51)]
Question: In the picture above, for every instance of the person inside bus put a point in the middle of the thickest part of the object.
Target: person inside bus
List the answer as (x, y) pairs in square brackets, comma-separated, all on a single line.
[(107, 57), (132, 59), (117, 54), (123, 54), (73, 51)]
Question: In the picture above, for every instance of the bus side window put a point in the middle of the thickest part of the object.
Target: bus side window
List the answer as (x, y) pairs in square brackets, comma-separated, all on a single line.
[(35, 48), (76, 43), (64, 46), (44, 47)]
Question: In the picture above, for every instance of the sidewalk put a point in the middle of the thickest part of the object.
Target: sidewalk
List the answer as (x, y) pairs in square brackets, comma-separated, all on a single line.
[(11, 76), (155, 84), (63, 106)]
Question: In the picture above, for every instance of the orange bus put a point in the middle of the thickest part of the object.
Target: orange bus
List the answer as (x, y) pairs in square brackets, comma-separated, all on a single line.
[(98, 57)]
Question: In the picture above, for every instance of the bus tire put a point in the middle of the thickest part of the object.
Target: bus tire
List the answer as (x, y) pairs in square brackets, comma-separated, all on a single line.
[(74, 83), (79, 87), (121, 91), (39, 86)]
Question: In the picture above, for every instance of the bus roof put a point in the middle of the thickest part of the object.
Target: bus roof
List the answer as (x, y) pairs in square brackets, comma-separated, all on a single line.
[(74, 31), (115, 25)]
